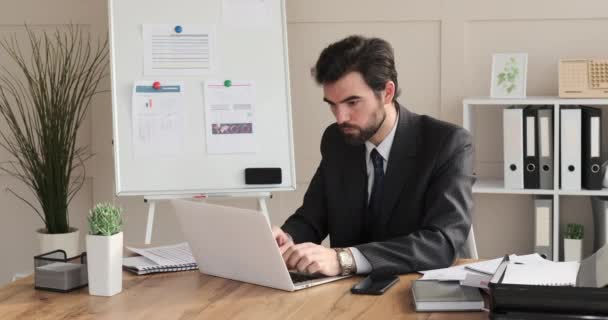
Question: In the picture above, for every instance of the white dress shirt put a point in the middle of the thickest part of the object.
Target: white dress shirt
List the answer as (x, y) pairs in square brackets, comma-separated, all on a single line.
[(384, 149)]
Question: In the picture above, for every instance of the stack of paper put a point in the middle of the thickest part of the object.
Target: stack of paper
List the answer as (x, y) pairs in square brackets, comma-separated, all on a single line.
[(161, 259), (478, 274)]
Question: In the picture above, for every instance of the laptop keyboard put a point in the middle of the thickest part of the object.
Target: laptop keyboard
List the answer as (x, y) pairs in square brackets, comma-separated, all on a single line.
[(299, 277)]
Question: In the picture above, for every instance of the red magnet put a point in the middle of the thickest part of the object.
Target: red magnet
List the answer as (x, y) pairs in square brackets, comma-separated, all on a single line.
[(156, 85)]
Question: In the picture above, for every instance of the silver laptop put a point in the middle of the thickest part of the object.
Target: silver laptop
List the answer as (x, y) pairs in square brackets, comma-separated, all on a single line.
[(238, 244)]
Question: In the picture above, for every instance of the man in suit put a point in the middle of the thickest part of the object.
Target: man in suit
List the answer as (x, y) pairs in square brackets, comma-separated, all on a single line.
[(393, 189)]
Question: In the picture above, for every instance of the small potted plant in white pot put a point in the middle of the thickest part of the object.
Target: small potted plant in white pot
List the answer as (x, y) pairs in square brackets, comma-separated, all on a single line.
[(104, 250), (573, 242)]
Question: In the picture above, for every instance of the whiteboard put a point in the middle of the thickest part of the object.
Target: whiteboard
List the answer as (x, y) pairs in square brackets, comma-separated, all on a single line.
[(255, 53)]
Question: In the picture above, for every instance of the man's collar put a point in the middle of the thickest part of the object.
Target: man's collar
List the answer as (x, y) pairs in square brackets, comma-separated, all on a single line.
[(384, 148)]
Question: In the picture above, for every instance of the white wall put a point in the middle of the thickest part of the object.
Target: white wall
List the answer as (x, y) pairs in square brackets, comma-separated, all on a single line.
[(443, 51), (18, 243)]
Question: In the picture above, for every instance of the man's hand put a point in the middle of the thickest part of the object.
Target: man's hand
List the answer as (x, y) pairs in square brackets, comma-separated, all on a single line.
[(312, 258), (283, 240)]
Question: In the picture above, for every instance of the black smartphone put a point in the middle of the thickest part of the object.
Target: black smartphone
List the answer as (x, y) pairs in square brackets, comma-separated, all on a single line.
[(374, 285)]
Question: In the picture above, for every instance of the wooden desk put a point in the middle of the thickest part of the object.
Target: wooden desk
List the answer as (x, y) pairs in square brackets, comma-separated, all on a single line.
[(192, 295)]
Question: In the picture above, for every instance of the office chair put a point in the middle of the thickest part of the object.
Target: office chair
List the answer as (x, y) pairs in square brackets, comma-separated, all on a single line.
[(469, 249)]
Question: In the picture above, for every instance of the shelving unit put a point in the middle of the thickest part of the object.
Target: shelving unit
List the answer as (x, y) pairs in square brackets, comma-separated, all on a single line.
[(494, 185)]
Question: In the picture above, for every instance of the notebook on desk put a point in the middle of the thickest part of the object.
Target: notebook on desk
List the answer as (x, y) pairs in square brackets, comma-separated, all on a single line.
[(542, 274), (160, 259), (592, 272)]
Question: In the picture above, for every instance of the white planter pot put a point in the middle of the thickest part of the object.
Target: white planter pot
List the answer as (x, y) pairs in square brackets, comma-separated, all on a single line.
[(573, 249), (104, 264), (69, 242)]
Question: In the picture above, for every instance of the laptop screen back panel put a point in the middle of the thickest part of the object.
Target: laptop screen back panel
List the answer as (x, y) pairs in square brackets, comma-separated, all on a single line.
[(232, 243)]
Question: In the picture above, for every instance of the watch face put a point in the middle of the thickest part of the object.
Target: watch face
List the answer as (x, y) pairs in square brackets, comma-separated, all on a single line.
[(346, 257)]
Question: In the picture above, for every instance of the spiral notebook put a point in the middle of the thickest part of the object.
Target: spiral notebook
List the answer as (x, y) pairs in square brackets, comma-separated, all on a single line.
[(160, 259), (589, 273), (542, 274)]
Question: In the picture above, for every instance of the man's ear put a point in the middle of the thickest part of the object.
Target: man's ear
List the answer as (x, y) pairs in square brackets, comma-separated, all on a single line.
[(389, 92)]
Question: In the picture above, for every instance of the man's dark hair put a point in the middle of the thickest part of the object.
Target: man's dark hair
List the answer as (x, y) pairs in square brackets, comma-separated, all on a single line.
[(372, 57)]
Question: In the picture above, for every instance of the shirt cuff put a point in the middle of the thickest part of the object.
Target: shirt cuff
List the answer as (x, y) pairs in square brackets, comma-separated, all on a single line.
[(363, 265)]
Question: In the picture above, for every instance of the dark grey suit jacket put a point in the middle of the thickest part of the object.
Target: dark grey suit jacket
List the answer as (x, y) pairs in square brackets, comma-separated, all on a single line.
[(427, 200)]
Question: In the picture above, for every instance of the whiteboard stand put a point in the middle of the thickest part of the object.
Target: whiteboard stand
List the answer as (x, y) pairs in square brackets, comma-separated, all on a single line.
[(151, 200)]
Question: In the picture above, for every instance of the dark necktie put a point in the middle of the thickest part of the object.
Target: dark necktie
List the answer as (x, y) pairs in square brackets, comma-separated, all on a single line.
[(375, 199)]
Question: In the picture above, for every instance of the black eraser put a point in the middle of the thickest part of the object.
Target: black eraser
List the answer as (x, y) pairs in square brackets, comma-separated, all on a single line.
[(263, 176)]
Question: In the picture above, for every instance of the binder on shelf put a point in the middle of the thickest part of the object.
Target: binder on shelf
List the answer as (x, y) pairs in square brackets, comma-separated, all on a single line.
[(513, 147), (591, 145), (543, 226), (545, 146), (531, 172), (570, 141)]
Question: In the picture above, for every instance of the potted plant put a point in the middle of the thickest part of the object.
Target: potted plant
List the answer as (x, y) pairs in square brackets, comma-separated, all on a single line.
[(44, 97), (573, 242), (104, 250)]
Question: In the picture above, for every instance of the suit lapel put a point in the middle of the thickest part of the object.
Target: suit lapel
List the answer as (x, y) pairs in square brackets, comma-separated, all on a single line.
[(401, 166), (354, 175), (354, 183)]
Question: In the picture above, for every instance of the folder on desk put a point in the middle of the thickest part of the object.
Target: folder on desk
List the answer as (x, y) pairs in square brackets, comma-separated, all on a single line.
[(543, 226), (570, 141), (531, 315), (545, 146), (585, 295), (591, 145), (531, 172), (513, 147)]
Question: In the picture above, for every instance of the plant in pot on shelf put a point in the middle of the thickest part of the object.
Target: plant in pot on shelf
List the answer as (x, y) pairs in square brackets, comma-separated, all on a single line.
[(573, 242), (104, 250), (46, 88)]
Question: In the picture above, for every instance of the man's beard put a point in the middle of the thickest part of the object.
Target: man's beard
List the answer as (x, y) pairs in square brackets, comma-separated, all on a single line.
[(364, 134)]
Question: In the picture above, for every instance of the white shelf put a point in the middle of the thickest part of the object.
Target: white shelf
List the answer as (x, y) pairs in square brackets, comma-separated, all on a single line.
[(540, 100), (497, 186), (603, 192)]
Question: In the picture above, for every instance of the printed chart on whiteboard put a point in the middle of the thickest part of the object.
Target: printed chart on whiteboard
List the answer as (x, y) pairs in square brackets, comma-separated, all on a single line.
[(158, 119), (230, 117)]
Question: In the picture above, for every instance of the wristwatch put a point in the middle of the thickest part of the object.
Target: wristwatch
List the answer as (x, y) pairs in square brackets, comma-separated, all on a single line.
[(346, 261)]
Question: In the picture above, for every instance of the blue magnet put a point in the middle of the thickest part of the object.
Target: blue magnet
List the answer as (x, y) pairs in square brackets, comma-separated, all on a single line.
[(178, 29)]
